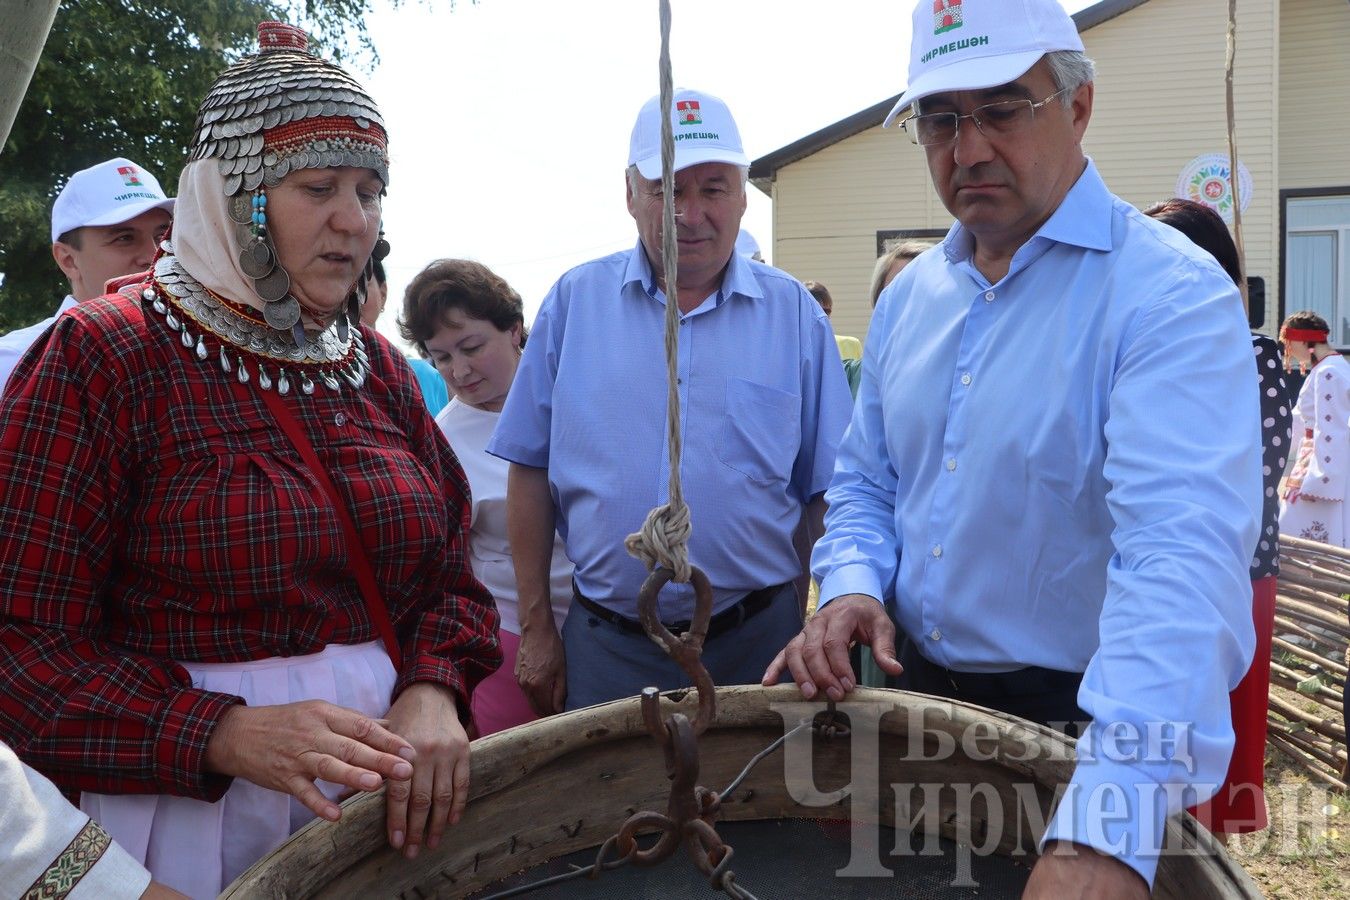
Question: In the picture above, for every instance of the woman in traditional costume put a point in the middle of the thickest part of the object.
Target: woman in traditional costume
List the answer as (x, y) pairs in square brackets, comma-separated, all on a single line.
[(1315, 494), (1238, 806), (233, 576), (1314, 502), (469, 322)]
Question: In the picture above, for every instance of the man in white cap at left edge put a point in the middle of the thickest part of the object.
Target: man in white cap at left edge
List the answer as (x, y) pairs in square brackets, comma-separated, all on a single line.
[(106, 223)]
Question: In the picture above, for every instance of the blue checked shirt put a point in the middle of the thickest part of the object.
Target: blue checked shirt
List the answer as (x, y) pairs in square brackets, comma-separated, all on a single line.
[(1063, 469), (763, 406)]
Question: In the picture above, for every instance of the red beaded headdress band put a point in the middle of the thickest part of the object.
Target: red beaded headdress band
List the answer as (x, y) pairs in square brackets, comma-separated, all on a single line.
[(1311, 335), (330, 138), (293, 136)]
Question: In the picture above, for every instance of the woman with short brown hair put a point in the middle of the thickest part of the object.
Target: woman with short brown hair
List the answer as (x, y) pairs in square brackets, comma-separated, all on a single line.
[(470, 323)]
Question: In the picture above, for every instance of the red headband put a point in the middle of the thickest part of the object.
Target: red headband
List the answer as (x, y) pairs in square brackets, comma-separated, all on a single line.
[(337, 130), (1311, 335)]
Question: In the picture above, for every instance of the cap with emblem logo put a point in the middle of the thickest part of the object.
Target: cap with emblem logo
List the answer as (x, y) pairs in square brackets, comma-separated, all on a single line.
[(110, 193), (704, 132), (969, 45)]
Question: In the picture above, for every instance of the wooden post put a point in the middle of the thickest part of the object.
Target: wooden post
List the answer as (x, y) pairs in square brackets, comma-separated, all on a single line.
[(1232, 154), (24, 25)]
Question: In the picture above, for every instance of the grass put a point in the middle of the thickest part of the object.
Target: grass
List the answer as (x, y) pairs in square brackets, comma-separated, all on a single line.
[(1305, 853)]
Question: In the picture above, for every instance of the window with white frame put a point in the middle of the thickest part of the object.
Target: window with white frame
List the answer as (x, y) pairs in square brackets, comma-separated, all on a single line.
[(1317, 261)]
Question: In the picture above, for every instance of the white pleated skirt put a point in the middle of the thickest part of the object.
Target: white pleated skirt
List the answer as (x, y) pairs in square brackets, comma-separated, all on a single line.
[(198, 848)]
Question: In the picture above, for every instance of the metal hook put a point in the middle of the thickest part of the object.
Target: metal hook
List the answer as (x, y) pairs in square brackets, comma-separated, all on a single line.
[(687, 649), (830, 722)]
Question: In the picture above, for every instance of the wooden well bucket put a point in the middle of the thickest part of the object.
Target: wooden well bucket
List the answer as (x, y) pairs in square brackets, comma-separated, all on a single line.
[(567, 783)]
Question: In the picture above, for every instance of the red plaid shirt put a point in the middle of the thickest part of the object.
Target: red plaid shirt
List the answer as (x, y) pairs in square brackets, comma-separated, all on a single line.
[(147, 515)]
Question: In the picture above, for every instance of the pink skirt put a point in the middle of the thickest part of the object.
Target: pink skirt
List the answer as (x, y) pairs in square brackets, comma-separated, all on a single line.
[(198, 848), (498, 702)]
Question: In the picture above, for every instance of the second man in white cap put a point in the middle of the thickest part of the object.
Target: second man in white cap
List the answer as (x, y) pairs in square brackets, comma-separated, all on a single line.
[(763, 404)]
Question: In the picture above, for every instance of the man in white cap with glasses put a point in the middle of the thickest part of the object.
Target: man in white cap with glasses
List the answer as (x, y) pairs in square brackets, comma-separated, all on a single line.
[(106, 223), (763, 405), (1053, 473)]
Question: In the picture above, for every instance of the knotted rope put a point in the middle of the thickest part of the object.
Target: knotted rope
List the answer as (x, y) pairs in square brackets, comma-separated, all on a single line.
[(664, 537)]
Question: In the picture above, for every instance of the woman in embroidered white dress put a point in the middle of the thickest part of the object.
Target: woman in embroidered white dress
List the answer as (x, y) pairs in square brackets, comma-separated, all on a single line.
[(1314, 502)]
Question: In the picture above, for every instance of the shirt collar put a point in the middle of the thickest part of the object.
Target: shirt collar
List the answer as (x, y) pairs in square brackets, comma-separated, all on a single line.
[(1084, 215), (69, 303), (738, 279), (639, 271), (1082, 219)]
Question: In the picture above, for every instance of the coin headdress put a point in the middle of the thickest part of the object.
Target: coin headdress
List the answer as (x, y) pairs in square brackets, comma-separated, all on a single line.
[(269, 114)]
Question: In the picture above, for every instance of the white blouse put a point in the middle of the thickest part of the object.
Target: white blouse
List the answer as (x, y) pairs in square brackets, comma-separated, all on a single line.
[(468, 429)]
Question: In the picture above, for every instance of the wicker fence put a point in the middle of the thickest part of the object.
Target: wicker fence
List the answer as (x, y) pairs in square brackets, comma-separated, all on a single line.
[(1309, 657)]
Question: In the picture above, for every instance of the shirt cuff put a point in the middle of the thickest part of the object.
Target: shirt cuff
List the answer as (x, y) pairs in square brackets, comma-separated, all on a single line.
[(854, 578), (115, 875), (515, 453), (185, 729), (1114, 809)]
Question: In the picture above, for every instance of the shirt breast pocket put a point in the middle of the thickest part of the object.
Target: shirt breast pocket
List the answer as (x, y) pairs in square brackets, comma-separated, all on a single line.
[(761, 432)]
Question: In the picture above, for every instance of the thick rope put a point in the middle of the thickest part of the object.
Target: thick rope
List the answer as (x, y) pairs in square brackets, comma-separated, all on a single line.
[(664, 537)]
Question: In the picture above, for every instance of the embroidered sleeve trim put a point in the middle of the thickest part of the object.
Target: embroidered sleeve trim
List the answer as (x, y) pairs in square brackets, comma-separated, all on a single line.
[(86, 849)]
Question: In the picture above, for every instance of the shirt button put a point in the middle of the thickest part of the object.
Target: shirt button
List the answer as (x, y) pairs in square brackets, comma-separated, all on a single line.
[(937, 551), (965, 378), (951, 464), (935, 634), (340, 419), (989, 297)]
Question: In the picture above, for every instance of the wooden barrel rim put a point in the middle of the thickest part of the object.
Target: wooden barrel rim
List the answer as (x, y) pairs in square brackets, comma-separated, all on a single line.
[(516, 771)]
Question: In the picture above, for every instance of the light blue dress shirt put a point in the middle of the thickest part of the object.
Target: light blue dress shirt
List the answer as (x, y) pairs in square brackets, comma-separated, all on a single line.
[(763, 406), (1063, 469)]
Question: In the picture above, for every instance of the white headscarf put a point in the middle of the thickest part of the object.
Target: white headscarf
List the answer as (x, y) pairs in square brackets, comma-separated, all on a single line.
[(204, 235)]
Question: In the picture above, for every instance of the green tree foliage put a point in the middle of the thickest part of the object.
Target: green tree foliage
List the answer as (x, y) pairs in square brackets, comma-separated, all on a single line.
[(125, 78)]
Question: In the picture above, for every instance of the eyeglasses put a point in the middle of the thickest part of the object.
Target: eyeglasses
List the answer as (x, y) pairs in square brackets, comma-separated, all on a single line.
[(993, 119)]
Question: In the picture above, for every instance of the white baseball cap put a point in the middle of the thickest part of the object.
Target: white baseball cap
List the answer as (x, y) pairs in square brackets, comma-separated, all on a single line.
[(969, 45), (703, 129), (109, 193), (746, 245)]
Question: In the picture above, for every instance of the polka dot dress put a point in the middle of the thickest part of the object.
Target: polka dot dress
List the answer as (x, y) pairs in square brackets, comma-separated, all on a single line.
[(1276, 420)]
